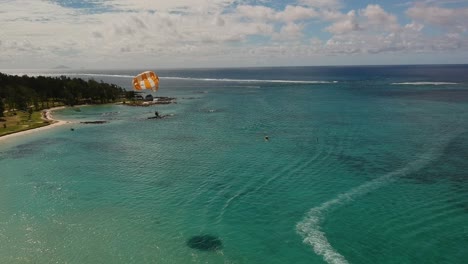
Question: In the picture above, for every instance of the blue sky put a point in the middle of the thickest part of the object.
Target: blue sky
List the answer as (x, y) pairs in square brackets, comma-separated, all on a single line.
[(230, 33)]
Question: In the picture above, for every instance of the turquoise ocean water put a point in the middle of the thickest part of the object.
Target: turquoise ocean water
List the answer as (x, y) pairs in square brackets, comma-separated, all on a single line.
[(363, 165)]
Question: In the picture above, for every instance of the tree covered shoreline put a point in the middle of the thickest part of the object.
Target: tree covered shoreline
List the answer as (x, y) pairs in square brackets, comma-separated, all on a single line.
[(25, 93)]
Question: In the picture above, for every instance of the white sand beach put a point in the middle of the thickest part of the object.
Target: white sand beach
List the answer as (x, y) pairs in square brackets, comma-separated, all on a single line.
[(47, 115)]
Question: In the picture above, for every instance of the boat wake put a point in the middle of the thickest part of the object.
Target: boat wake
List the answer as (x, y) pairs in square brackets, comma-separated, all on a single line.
[(309, 228)]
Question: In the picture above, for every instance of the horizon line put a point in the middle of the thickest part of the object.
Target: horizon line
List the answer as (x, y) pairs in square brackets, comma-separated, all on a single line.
[(238, 67)]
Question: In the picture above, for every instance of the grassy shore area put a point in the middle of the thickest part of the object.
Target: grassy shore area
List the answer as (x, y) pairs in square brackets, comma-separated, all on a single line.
[(14, 122), (11, 123)]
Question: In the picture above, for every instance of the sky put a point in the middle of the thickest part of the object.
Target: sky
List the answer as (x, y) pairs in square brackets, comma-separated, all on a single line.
[(123, 34)]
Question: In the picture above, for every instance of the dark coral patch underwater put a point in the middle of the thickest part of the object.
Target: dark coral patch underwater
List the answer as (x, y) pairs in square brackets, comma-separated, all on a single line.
[(205, 243)]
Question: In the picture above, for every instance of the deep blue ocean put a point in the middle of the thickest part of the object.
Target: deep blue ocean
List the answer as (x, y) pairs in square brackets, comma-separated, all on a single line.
[(364, 164)]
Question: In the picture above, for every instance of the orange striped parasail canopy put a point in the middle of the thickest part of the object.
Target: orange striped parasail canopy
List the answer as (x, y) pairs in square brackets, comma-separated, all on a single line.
[(146, 80)]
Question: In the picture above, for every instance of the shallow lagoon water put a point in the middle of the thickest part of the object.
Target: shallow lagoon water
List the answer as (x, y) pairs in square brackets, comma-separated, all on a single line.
[(357, 170)]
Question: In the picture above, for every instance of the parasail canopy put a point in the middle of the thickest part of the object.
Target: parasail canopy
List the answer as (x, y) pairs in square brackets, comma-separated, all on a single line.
[(146, 80)]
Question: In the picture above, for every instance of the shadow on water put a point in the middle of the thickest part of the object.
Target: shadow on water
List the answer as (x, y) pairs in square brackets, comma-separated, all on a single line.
[(441, 95), (205, 243), (450, 93), (452, 165)]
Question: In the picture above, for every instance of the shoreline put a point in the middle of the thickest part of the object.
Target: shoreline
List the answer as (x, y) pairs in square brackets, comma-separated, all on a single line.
[(46, 115)]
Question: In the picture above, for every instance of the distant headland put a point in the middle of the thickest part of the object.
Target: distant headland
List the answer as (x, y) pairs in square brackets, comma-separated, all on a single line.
[(61, 67)]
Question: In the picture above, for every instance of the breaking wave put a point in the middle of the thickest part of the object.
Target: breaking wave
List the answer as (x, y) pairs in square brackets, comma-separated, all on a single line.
[(425, 83), (179, 78), (248, 80)]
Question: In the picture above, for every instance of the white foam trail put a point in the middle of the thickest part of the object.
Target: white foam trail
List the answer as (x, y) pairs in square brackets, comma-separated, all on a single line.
[(424, 83), (309, 227)]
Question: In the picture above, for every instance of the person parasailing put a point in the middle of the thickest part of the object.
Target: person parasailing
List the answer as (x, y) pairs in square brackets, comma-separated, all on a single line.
[(147, 80)]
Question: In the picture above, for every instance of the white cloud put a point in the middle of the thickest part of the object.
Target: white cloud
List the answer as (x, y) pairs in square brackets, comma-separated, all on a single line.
[(453, 19), (379, 19), (190, 6), (290, 31), (345, 24), (374, 31), (144, 33), (325, 4), (262, 13), (332, 15), (414, 26), (256, 12), (294, 13)]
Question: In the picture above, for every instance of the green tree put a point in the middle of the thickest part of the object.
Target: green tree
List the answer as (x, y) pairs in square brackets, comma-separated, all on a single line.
[(2, 107), (21, 92), (30, 112)]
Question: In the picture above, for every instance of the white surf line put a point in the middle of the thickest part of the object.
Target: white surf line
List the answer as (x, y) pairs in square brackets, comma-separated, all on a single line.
[(180, 78), (248, 80), (309, 227), (424, 83)]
